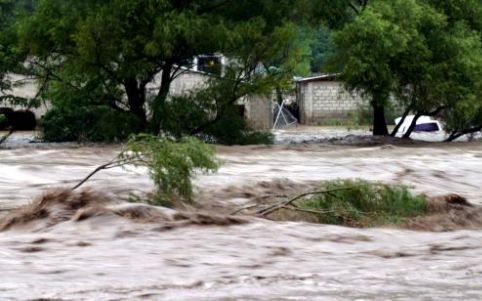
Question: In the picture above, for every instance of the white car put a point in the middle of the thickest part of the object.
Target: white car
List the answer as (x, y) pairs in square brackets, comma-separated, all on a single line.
[(424, 124)]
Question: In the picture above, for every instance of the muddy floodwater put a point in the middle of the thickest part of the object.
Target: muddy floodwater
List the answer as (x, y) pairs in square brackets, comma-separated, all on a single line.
[(105, 257)]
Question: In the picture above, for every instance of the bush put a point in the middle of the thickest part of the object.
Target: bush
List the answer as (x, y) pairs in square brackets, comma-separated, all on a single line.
[(88, 123), (232, 129), (171, 164), (183, 114), (362, 203)]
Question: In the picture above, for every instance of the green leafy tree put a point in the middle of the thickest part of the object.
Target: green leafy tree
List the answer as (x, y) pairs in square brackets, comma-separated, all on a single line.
[(462, 54), (322, 48), (410, 50), (13, 71), (112, 51), (289, 60), (171, 164), (10, 57)]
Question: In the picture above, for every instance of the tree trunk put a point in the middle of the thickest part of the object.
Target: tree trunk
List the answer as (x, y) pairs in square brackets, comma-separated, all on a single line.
[(279, 95), (412, 125), (379, 122), (397, 126), (160, 100), (136, 98)]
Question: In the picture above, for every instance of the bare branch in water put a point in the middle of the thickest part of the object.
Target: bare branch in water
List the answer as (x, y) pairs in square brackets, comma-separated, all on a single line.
[(109, 165), (287, 204), (280, 205)]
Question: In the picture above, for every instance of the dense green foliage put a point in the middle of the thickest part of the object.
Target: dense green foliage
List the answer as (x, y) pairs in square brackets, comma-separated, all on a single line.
[(461, 53), (88, 123), (10, 58), (171, 164), (74, 116), (111, 51), (188, 112), (322, 48), (362, 203), (232, 129)]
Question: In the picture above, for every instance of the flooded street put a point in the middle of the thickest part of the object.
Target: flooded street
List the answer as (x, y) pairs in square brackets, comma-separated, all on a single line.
[(106, 257)]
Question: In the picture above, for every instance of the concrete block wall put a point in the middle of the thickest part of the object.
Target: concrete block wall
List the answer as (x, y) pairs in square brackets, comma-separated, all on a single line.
[(323, 100), (28, 89), (186, 82), (259, 112)]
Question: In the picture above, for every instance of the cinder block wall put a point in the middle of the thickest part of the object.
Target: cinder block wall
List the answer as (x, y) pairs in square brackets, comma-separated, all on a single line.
[(27, 90), (186, 82), (259, 112), (320, 101)]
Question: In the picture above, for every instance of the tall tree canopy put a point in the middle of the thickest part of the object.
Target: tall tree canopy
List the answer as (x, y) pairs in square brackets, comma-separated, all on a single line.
[(424, 54), (100, 51)]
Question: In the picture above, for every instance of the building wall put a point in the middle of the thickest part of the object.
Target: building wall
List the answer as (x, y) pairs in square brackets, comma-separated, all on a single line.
[(259, 112), (186, 82), (27, 90), (322, 101)]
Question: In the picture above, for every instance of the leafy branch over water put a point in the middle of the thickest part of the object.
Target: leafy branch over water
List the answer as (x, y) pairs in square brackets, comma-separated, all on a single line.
[(171, 164)]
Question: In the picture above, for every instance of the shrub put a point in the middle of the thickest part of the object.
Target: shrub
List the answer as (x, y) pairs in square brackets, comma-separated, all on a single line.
[(362, 203), (183, 114), (88, 123), (171, 164), (232, 129)]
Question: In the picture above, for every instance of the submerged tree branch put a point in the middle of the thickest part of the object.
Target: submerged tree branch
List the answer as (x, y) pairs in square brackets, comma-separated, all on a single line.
[(5, 137), (280, 205)]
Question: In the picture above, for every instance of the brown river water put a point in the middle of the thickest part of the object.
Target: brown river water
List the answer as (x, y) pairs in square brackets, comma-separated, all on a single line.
[(107, 257)]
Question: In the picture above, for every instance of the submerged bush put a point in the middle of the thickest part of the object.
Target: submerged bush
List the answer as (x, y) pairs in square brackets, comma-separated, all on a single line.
[(171, 164), (88, 123), (362, 203)]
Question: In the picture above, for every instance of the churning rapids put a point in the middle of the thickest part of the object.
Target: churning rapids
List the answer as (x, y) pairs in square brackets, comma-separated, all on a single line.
[(171, 256)]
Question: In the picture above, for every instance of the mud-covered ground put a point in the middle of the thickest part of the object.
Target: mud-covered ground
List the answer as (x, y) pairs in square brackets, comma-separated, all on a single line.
[(101, 255)]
